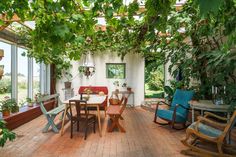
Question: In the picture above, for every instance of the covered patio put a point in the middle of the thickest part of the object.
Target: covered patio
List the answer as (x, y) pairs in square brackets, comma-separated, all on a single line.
[(122, 78)]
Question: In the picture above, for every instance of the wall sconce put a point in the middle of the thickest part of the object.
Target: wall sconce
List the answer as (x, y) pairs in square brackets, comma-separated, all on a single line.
[(1, 54)]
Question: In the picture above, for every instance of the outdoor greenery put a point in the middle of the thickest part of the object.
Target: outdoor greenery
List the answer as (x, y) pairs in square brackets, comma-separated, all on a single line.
[(199, 40)]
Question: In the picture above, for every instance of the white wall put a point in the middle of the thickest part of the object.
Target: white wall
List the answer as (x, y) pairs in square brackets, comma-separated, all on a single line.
[(134, 75)]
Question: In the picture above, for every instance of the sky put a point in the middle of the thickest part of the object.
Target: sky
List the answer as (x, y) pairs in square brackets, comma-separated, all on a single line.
[(22, 61)]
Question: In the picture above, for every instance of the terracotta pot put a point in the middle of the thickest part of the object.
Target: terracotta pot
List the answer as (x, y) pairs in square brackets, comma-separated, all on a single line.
[(6, 113), (129, 89), (67, 84)]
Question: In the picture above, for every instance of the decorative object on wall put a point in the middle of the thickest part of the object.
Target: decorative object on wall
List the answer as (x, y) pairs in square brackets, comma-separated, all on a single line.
[(88, 67), (1, 71), (115, 70), (1, 53)]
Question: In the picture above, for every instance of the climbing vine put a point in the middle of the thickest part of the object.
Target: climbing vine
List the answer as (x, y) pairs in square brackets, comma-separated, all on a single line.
[(199, 39)]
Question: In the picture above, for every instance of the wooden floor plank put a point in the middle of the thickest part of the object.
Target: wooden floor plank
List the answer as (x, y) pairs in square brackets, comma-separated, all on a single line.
[(142, 139)]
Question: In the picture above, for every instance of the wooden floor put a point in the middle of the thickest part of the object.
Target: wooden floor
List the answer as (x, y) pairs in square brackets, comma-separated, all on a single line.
[(142, 139)]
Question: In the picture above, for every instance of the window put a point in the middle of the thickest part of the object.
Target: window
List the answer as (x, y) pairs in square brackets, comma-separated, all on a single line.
[(22, 75), (36, 77), (115, 70), (5, 82)]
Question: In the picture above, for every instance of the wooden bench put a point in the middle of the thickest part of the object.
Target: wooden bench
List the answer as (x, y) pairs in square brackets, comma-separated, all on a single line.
[(50, 115), (115, 112)]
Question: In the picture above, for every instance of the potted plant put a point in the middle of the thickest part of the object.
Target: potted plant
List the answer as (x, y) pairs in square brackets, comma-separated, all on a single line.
[(6, 106), (15, 108), (68, 77), (30, 102)]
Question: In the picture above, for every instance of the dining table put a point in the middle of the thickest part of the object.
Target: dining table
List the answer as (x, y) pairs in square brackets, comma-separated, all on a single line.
[(92, 101)]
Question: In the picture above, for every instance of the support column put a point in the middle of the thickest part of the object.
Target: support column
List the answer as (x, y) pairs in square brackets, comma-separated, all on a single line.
[(30, 78), (14, 72)]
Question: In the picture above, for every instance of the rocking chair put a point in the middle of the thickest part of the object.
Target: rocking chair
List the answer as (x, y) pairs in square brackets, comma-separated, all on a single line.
[(206, 129), (178, 111)]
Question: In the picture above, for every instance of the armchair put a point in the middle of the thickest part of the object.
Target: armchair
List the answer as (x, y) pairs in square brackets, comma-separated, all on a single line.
[(178, 111), (206, 129)]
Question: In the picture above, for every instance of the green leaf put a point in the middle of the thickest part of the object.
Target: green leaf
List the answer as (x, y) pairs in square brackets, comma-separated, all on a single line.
[(207, 6)]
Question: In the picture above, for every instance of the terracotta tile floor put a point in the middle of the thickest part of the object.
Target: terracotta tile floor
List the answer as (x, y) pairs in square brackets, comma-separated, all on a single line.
[(142, 139)]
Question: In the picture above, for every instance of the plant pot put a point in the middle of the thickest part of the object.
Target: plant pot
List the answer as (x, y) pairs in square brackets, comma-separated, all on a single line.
[(129, 89), (67, 84), (6, 113), (30, 104), (15, 109)]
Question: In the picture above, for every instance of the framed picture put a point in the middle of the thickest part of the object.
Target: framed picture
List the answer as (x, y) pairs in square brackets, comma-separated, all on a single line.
[(115, 70)]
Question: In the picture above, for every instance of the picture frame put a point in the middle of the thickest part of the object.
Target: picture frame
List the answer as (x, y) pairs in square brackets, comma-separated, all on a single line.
[(115, 70)]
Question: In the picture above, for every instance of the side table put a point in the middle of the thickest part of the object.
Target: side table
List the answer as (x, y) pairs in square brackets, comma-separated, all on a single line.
[(207, 105)]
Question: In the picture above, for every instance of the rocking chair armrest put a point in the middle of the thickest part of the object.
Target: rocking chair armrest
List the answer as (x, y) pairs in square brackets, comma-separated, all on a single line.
[(179, 105), (211, 122), (209, 114), (161, 103)]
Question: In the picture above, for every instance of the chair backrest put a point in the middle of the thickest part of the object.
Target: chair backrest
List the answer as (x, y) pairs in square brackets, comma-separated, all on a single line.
[(46, 98), (79, 105), (229, 126), (182, 97), (123, 106)]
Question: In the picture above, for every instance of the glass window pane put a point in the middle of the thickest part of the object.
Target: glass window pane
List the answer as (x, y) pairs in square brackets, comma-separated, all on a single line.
[(22, 75), (36, 73), (5, 82)]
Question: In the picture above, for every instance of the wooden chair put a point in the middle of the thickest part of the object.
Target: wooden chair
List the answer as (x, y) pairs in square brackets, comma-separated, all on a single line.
[(116, 101), (115, 114), (178, 111), (206, 129), (89, 119), (50, 115)]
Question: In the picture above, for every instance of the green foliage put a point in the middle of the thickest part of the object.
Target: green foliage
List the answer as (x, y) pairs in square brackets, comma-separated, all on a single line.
[(7, 104), (5, 134), (204, 51), (5, 85), (156, 80)]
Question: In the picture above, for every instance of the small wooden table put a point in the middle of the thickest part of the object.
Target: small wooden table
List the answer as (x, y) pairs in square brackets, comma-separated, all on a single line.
[(207, 105), (93, 101)]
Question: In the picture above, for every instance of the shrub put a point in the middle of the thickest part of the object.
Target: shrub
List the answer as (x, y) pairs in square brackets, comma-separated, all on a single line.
[(156, 80)]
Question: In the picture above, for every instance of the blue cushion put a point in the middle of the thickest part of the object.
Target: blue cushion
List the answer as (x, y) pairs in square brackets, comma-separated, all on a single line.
[(206, 129), (182, 97), (168, 115)]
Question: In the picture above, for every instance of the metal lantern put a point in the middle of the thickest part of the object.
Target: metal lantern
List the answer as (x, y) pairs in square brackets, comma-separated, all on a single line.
[(88, 67)]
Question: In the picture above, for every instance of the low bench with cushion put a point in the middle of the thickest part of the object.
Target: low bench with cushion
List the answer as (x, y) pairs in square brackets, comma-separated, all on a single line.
[(50, 115)]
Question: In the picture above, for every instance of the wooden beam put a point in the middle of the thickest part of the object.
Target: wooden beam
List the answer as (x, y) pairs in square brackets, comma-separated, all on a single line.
[(4, 25), (14, 18)]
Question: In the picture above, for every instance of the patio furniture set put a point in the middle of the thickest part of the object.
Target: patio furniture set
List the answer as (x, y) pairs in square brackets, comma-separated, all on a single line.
[(89, 98), (208, 128), (204, 129)]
